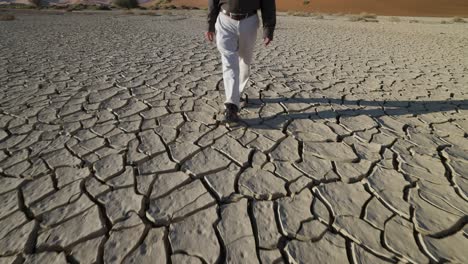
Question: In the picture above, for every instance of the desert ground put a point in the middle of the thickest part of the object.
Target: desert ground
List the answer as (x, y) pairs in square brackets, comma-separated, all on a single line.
[(353, 146)]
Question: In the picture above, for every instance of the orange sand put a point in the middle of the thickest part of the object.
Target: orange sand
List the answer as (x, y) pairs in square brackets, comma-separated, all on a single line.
[(447, 8)]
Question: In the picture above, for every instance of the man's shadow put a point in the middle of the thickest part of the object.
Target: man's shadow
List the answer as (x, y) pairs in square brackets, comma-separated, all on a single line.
[(331, 108)]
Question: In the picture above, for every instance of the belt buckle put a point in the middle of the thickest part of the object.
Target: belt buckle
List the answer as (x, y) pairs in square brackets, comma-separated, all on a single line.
[(239, 16)]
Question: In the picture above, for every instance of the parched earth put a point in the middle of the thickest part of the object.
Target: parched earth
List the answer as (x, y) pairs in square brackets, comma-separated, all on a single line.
[(353, 148)]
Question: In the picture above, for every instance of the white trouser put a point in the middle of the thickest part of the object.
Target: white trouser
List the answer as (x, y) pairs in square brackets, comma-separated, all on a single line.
[(235, 41)]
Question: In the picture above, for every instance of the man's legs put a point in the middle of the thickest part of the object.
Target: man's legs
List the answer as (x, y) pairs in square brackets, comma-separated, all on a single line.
[(248, 35), (227, 41)]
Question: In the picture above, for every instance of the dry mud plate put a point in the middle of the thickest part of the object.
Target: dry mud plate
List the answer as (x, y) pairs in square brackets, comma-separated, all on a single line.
[(354, 147)]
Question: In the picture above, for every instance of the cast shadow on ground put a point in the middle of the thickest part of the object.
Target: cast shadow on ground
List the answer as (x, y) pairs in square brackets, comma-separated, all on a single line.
[(305, 108)]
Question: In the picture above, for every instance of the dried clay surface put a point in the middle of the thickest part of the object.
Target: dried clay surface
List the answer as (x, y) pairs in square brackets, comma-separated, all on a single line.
[(353, 145)]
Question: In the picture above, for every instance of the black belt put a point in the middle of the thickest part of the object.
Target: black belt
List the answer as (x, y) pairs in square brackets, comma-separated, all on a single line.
[(236, 16)]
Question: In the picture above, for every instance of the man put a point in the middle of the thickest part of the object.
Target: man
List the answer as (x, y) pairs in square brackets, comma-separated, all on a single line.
[(236, 23)]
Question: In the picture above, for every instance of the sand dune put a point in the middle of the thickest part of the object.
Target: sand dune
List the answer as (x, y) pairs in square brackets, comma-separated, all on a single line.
[(381, 7)]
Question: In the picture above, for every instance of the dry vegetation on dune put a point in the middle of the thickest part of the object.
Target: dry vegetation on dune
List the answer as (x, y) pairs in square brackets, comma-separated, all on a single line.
[(458, 20), (36, 3), (81, 7), (126, 3), (454, 20), (364, 17), (368, 16)]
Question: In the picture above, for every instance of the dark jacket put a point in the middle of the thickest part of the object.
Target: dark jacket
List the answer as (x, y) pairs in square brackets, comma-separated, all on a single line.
[(267, 7)]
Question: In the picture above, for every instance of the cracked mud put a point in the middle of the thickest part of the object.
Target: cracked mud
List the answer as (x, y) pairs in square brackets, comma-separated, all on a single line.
[(353, 148)]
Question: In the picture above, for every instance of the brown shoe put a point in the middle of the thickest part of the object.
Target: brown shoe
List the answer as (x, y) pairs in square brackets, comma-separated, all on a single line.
[(231, 114)]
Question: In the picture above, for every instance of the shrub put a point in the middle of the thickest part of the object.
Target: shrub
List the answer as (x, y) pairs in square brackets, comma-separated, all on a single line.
[(36, 3), (444, 22), (163, 4), (355, 18), (7, 17), (98, 7), (367, 15), (76, 7), (104, 7), (306, 2), (458, 20), (59, 7), (126, 3), (414, 21), (364, 18), (394, 19), (319, 16)]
